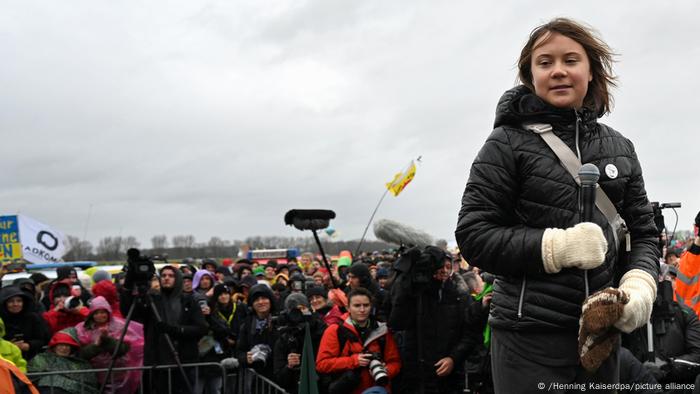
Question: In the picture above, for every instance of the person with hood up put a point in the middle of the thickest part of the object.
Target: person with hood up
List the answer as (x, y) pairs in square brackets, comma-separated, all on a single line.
[(66, 310), (108, 290), (99, 335), (257, 332), (521, 219), (203, 283), (23, 327), (10, 352), (67, 274), (181, 319), (27, 285), (63, 355)]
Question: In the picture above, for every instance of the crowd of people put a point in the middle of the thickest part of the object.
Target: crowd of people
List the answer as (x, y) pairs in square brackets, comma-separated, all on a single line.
[(416, 323)]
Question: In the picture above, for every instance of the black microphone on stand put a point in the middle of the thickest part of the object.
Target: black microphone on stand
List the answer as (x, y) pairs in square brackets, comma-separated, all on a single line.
[(588, 174)]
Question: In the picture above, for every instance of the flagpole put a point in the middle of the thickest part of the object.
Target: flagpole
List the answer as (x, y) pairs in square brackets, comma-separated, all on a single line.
[(386, 190)]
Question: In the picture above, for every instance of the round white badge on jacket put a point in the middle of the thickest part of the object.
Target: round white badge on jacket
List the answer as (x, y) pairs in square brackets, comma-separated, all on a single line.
[(611, 171)]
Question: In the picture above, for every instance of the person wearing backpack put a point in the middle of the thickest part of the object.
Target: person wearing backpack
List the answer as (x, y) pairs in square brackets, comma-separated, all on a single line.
[(348, 350)]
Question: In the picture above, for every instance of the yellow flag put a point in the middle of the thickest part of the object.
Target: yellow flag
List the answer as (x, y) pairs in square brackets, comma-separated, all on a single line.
[(402, 179)]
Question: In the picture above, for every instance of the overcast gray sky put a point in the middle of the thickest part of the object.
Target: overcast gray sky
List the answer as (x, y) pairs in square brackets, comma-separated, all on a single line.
[(215, 118)]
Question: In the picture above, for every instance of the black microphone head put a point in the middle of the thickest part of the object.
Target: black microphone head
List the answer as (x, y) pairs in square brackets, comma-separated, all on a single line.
[(589, 174), (309, 219)]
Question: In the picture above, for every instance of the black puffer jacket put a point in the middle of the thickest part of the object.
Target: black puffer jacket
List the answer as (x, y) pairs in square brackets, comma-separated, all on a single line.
[(517, 188)]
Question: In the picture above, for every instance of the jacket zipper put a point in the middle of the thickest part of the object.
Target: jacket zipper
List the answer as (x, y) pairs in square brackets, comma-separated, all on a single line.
[(522, 298), (578, 152)]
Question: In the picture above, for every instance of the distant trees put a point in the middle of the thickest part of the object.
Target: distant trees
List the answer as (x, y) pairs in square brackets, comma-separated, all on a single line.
[(113, 248)]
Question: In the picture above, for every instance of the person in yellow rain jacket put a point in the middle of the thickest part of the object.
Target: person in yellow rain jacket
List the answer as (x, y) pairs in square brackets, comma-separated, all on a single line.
[(10, 352), (688, 279)]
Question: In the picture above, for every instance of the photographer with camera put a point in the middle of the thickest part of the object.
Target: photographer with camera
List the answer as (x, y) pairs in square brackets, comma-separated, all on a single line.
[(687, 283), (180, 318), (66, 309), (359, 353), (428, 311), (290, 341), (258, 334)]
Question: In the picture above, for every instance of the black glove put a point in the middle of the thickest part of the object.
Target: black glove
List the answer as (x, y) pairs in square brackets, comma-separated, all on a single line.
[(659, 368), (166, 328)]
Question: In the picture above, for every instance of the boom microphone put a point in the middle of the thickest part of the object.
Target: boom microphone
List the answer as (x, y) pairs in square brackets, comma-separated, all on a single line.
[(588, 174), (309, 219), (400, 234)]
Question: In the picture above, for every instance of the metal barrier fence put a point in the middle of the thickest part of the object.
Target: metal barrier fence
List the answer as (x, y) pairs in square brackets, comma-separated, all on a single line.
[(250, 381), (241, 381)]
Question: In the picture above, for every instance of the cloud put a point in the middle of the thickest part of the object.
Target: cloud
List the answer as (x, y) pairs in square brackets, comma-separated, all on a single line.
[(215, 118)]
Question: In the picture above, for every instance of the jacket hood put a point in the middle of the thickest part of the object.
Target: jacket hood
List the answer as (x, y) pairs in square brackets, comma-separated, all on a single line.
[(61, 283), (11, 291), (107, 290), (198, 278), (520, 105), (98, 303), (177, 289), (64, 337)]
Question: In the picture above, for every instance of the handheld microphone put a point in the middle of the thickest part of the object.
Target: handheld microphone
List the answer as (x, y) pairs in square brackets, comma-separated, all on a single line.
[(400, 234), (588, 174)]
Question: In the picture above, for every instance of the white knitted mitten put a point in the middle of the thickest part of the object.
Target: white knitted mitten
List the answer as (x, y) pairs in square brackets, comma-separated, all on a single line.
[(582, 246), (640, 286)]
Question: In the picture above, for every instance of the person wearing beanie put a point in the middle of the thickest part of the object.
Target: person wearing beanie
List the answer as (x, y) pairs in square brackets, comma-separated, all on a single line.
[(209, 265), (318, 299), (187, 284), (243, 270), (63, 355), (359, 276), (101, 275), (383, 278), (294, 300), (258, 331), (282, 269), (288, 347), (221, 272)]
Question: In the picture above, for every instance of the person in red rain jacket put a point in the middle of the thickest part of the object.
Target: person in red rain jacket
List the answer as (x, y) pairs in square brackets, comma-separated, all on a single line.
[(63, 313), (366, 336)]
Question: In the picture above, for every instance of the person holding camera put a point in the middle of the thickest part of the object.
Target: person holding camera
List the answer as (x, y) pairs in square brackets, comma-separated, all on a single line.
[(360, 352), (66, 308), (290, 342), (257, 336), (522, 219), (180, 318)]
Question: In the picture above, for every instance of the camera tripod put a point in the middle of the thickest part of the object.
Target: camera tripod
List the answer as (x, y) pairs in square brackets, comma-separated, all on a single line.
[(141, 297)]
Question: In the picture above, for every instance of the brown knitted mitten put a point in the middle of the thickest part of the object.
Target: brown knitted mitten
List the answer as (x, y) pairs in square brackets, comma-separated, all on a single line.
[(597, 336)]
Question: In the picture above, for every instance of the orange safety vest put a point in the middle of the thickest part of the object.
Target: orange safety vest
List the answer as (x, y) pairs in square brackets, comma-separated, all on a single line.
[(7, 371), (688, 279)]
